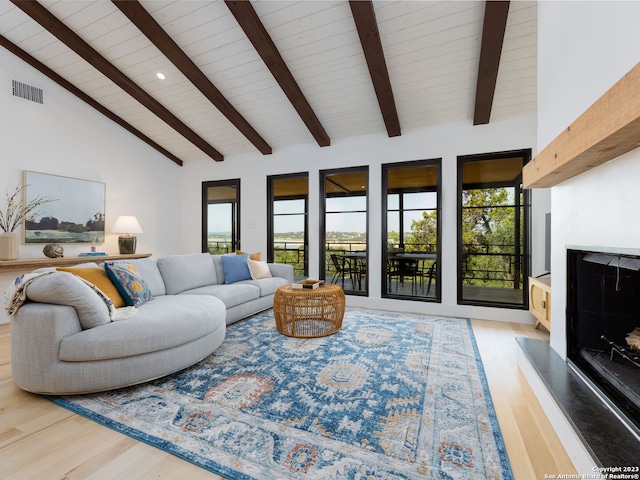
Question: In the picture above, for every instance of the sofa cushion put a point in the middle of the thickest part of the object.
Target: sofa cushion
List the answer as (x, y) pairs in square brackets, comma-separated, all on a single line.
[(259, 269), (217, 263), (235, 268), (282, 270), (129, 283), (62, 288), (98, 277), (184, 272), (267, 286), (148, 270), (165, 322), (231, 295)]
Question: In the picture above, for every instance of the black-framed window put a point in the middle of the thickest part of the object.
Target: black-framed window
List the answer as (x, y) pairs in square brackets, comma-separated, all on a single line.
[(411, 230), (493, 229), (287, 217), (221, 216), (344, 228)]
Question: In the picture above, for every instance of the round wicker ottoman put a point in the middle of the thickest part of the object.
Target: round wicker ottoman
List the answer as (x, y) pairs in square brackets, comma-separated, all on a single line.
[(309, 313)]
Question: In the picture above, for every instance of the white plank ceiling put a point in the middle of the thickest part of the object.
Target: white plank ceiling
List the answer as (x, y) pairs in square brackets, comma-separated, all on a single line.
[(431, 48)]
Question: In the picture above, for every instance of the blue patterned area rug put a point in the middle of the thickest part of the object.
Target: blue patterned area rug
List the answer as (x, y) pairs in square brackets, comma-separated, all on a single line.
[(390, 396)]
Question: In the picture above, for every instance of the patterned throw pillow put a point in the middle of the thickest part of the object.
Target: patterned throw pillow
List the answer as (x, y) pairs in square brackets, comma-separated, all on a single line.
[(235, 268), (128, 282)]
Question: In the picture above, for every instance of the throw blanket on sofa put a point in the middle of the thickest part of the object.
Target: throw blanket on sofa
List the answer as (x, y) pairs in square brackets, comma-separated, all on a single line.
[(16, 295)]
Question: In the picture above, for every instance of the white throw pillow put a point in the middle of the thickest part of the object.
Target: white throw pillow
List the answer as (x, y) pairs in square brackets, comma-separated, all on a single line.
[(259, 269)]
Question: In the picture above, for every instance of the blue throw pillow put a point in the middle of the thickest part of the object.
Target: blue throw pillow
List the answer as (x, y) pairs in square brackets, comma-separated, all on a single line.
[(128, 282), (236, 268)]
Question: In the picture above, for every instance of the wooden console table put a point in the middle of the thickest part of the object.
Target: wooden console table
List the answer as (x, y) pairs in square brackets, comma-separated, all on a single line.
[(540, 300), (8, 266)]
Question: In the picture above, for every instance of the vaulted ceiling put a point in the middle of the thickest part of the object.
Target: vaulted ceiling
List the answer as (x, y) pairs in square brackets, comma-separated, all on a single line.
[(262, 75)]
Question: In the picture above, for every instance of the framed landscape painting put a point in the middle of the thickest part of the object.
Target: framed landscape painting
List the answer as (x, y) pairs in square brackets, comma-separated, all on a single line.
[(74, 214)]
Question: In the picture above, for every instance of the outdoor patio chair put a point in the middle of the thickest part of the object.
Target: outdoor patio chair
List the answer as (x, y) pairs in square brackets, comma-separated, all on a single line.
[(404, 268), (343, 269)]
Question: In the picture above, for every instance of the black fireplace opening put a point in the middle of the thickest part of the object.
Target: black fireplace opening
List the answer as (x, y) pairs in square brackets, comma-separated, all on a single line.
[(603, 326)]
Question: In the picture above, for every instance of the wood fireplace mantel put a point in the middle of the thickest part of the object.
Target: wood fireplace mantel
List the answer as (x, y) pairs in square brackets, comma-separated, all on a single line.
[(607, 129)]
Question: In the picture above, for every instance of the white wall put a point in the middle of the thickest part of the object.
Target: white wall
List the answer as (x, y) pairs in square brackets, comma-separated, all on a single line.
[(444, 141), (585, 48), (66, 137)]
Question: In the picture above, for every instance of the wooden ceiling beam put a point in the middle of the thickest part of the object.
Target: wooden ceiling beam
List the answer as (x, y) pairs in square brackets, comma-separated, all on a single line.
[(63, 33), (253, 28), (365, 19), (42, 68), (154, 32), (493, 28)]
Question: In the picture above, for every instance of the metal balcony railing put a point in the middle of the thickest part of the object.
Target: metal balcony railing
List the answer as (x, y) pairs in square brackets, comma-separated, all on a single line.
[(492, 265), (292, 253), (221, 247), (483, 265)]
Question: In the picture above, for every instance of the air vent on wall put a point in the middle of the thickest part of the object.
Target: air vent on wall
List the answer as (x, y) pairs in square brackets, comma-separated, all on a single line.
[(28, 92)]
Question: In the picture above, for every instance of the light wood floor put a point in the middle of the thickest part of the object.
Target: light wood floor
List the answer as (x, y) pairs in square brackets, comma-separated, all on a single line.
[(39, 440)]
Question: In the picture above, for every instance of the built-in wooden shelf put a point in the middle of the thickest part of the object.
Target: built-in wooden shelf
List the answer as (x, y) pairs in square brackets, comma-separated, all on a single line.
[(28, 264), (607, 129)]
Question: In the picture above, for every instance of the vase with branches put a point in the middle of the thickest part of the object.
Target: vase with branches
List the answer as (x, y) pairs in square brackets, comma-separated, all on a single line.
[(17, 212)]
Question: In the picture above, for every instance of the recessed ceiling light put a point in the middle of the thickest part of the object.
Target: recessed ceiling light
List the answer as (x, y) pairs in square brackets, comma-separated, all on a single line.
[(160, 75)]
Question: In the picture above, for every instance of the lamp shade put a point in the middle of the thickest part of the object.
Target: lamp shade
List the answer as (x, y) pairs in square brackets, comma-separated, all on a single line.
[(126, 224)]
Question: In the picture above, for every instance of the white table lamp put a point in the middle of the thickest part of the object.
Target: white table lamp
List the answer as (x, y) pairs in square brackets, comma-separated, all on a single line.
[(127, 225)]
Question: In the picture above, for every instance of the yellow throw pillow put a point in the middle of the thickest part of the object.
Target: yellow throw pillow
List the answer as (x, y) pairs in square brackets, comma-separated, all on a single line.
[(98, 277), (252, 256)]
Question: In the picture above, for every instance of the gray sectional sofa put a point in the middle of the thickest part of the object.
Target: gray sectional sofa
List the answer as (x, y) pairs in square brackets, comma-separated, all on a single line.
[(63, 340)]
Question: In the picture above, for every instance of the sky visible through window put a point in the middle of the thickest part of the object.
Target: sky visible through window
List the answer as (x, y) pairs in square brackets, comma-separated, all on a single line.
[(219, 218), (414, 206)]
